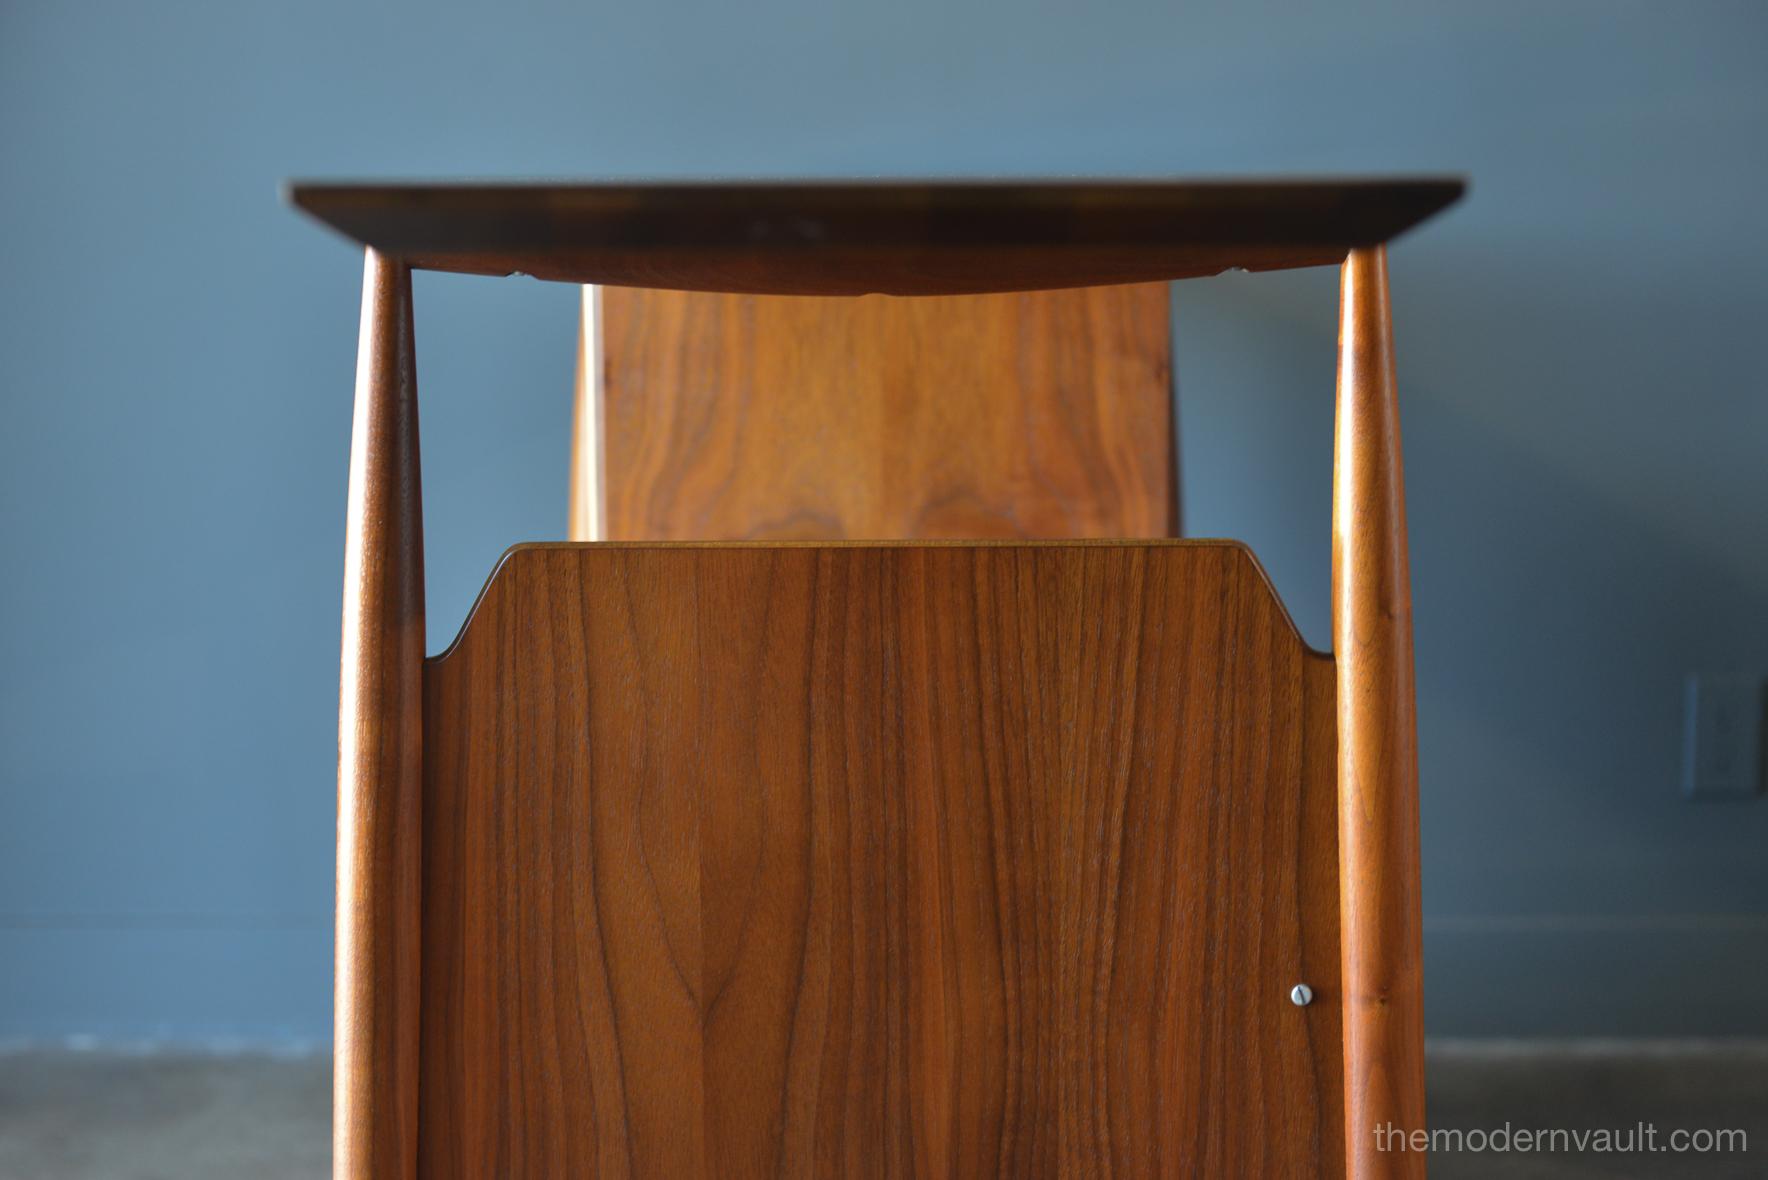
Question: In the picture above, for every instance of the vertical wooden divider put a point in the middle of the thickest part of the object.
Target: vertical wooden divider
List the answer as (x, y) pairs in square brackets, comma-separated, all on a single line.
[(380, 749), (720, 417), (1377, 742), (588, 514)]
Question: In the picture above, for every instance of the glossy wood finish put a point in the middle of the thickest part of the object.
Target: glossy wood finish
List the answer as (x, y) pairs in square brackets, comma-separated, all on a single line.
[(938, 860), (380, 740), (901, 238), (920, 860), (1377, 738), (1043, 414)]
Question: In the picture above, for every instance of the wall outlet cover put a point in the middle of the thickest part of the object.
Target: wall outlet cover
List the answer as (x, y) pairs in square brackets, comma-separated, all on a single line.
[(1722, 751)]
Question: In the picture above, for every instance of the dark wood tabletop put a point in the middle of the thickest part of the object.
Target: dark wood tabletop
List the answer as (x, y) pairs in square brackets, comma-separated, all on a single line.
[(893, 237)]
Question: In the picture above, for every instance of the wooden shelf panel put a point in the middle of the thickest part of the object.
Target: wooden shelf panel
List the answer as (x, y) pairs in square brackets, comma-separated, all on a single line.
[(1019, 414)]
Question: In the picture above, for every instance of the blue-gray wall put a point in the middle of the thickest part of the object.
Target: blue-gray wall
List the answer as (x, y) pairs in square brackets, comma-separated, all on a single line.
[(1583, 376)]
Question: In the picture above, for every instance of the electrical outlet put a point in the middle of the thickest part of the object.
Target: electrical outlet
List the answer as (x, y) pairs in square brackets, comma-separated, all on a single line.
[(1722, 737)]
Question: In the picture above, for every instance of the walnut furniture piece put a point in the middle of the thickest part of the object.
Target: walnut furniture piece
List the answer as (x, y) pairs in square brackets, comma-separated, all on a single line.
[(874, 785)]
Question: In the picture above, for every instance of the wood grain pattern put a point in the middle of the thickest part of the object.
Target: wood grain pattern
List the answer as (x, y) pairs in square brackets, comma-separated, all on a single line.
[(892, 237), (872, 860), (1043, 415), (380, 739), (1377, 738)]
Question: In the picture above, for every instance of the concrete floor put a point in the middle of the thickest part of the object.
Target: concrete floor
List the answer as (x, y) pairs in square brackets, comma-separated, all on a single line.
[(1714, 1087), (97, 1116)]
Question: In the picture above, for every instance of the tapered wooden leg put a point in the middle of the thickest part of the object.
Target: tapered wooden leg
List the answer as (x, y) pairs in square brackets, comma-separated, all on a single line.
[(587, 519), (1377, 743), (374, 1116)]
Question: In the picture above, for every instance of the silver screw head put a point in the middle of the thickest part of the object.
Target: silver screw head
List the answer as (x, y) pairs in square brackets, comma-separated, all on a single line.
[(1301, 995)]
